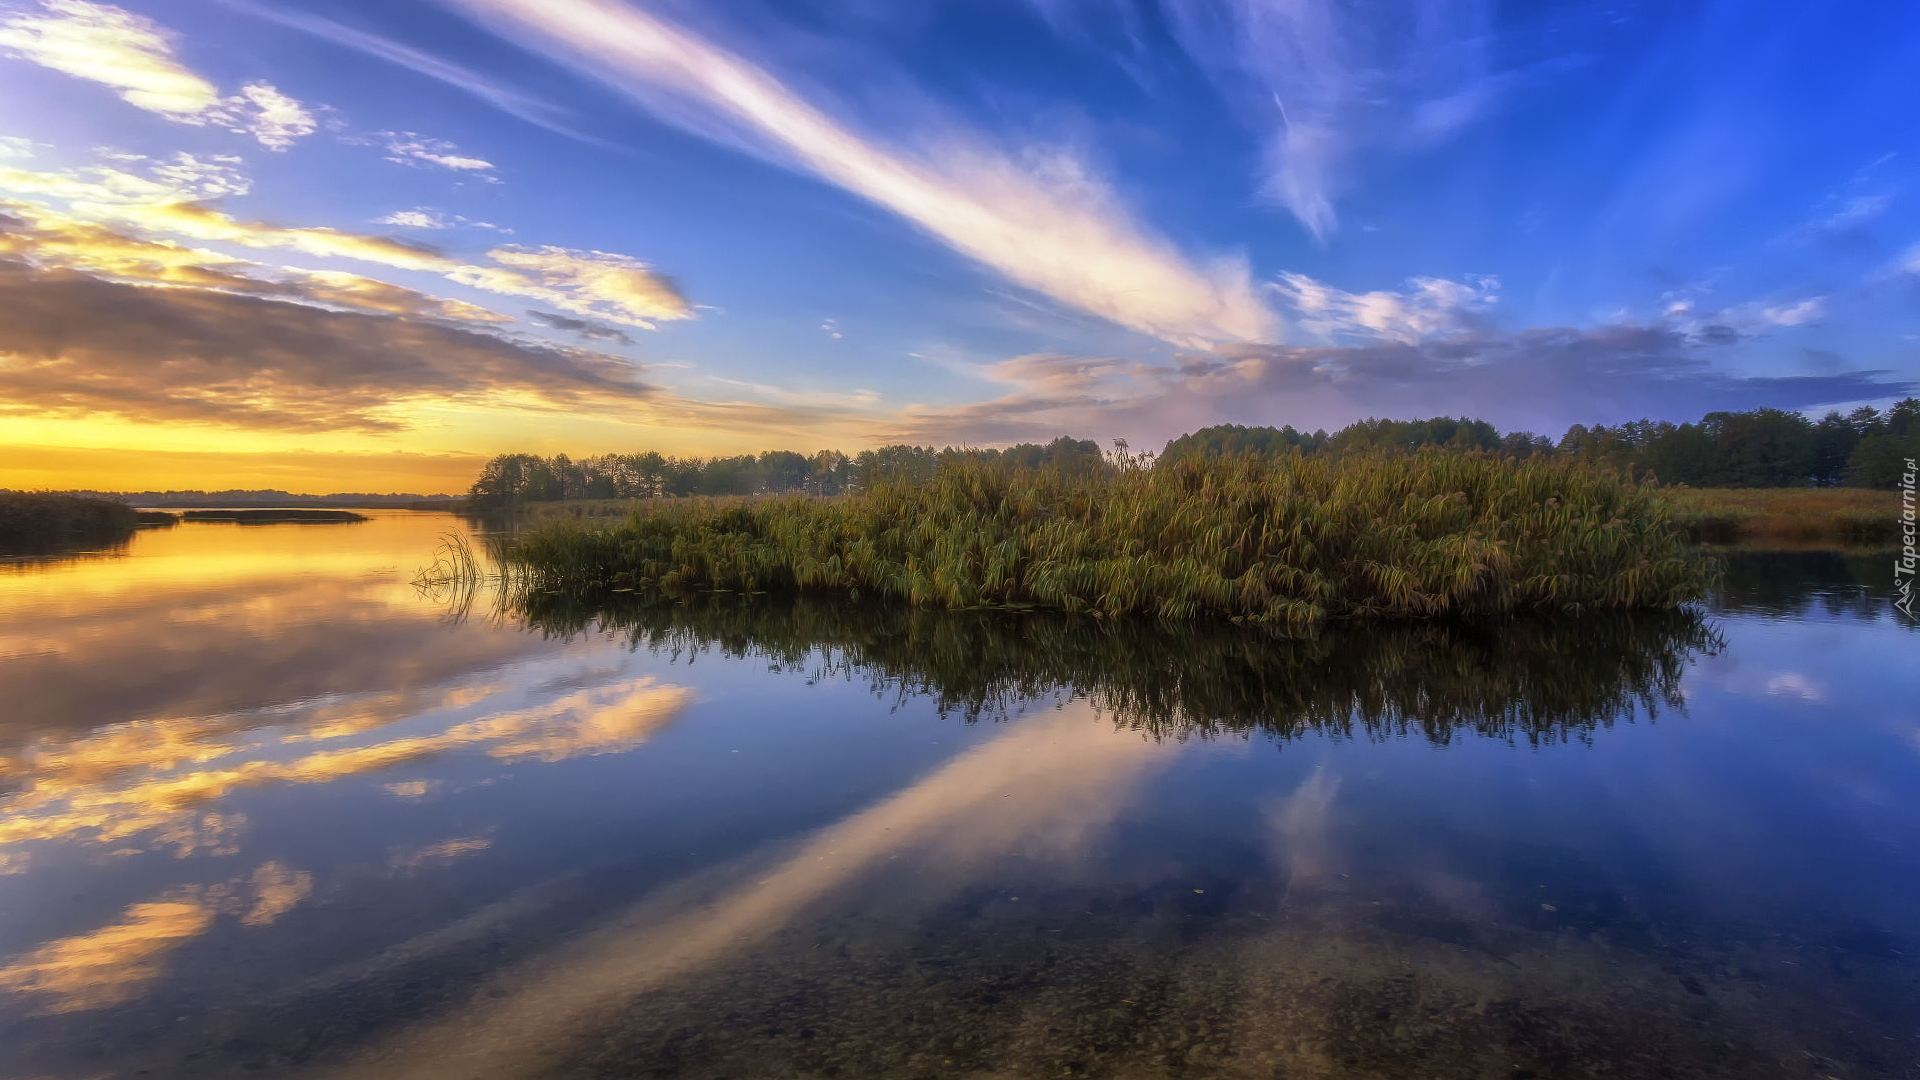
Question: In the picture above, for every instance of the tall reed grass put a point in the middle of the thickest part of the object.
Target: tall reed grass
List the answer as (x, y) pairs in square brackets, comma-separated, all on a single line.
[(1283, 541)]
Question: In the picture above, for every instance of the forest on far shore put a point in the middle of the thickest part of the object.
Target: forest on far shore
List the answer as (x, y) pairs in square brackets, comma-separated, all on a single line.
[(1761, 448)]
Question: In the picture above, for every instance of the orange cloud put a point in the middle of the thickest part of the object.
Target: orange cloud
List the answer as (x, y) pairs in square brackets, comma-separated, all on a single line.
[(78, 345)]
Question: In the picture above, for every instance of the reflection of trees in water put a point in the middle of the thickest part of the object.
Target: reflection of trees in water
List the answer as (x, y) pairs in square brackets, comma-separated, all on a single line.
[(1856, 583), (1541, 679), (31, 557)]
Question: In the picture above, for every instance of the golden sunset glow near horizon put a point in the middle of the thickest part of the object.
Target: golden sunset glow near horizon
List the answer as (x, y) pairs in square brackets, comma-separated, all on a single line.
[(325, 247)]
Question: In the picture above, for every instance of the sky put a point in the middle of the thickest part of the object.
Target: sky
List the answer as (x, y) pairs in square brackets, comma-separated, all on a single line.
[(355, 246)]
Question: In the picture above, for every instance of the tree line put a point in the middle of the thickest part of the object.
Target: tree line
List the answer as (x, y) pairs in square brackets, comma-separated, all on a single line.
[(516, 478), (1758, 448)]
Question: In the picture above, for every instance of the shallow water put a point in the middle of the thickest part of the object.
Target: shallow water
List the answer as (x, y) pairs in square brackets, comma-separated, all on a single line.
[(267, 809)]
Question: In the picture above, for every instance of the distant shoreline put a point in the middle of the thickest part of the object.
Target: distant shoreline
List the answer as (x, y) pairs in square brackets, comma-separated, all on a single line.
[(277, 516), (449, 505), (264, 499)]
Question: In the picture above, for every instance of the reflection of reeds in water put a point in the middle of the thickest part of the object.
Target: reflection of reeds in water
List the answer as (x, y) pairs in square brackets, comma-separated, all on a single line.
[(1538, 678), (1283, 541), (454, 577)]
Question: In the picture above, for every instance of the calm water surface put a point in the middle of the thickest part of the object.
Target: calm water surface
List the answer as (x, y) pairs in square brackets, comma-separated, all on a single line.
[(266, 809)]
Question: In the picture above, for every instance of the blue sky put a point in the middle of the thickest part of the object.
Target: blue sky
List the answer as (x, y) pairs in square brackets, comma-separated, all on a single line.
[(414, 233)]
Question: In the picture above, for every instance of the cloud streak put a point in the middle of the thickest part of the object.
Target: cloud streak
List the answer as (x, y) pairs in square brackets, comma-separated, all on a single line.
[(412, 148), (174, 199), (1039, 219), (1428, 308), (503, 97), (48, 241), (1320, 81), (134, 57)]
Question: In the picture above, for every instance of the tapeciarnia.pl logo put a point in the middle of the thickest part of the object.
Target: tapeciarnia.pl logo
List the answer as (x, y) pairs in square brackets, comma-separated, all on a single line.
[(1903, 567)]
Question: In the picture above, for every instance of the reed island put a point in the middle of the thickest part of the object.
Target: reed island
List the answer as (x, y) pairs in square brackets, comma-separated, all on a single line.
[(1261, 538)]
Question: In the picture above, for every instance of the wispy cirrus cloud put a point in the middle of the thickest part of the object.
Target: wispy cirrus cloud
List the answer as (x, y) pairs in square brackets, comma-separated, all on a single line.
[(112, 318), (110, 313), (113, 47), (1321, 81), (1690, 311), (1427, 308), (488, 89), (603, 279), (48, 242), (171, 199), (412, 148), (1041, 219), (421, 218), (591, 283), (275, 120), (134, 57)]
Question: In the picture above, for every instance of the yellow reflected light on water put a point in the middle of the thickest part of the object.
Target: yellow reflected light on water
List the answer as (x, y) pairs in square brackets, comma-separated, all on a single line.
[(147, 686), (206, 619), (209, 658)]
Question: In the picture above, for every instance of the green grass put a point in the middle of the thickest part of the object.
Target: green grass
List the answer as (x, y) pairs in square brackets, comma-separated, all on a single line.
[(1268, 540), (1789, 516), (36, 522)]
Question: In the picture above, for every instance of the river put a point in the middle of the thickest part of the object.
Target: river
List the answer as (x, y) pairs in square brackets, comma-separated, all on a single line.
[(268, 808)]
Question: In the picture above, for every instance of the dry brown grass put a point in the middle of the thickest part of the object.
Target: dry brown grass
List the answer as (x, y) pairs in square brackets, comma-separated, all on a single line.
[(1794, 516)]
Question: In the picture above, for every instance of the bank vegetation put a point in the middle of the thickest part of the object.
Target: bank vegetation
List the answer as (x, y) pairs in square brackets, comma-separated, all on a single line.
[(33, 522), (1261, 538)]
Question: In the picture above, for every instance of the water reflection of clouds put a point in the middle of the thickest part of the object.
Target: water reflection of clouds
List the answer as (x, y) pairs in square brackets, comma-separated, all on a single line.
[(1746, 681), (403, 861), (154, 777), (152, 787), (198, 652), (144, 692), (1045, 789), (112, 964), (1302, 826)]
